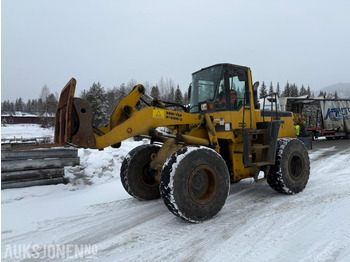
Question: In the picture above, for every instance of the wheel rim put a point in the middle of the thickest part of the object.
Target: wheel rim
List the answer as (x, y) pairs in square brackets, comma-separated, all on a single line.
[(203, 184), (147, 176), (295, 167)]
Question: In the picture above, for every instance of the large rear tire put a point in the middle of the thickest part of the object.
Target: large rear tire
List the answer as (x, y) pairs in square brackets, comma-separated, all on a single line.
[(291, 172), (195, 183), (136, 175)]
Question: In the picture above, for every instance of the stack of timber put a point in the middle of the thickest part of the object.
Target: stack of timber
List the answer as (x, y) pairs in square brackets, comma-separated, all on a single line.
[(8, 143), (23, 168)]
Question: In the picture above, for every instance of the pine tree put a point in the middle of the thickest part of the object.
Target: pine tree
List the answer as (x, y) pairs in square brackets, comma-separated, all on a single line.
[(278, 90), (19, 105), (50, 110), (12, 107), (263, 92), (186, 99), (309, 92), (130, 85), (96, 97), (171, 95), (34, 106), (52, 103), (5, 106), (29, 106), (178, 95), (122, 91), (271, 88), (294, 92), (111, 100), (155, 92), (336, 95), (303, 91), (286, 91), (322, 94)]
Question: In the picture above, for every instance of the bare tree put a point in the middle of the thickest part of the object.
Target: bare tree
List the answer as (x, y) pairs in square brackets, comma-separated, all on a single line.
[(44, 94)]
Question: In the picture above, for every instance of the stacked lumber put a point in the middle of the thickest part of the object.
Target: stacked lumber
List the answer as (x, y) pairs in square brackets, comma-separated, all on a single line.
[(35, 167)]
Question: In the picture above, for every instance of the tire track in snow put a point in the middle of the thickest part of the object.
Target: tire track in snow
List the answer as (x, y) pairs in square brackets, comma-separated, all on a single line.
[(99, 226)]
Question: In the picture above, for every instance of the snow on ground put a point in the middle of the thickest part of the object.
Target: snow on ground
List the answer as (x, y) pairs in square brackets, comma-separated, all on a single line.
[(25, 131), (256, 223)]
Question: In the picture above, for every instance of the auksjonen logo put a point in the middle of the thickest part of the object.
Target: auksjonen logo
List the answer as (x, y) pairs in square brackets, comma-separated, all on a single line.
[(49, 251)]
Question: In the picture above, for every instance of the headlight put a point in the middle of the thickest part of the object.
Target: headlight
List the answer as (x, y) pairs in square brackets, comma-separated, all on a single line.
[(204, 107)]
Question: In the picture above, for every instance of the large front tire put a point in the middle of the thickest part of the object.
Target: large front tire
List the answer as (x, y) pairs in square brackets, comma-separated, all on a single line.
[(291, 172), (195, 183), (137, 177)]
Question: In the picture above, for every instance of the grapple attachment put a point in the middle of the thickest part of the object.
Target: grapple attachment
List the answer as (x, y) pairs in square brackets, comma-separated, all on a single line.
[(73, 119), (64, 118)]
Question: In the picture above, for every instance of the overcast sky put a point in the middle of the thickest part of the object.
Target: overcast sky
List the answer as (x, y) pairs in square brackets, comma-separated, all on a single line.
[(48, 42)]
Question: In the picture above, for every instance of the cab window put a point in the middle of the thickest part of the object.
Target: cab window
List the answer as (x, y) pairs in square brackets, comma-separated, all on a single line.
[(237, 88)]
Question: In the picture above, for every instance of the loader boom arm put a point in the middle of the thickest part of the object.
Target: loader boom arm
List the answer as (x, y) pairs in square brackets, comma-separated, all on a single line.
[(74, 120)]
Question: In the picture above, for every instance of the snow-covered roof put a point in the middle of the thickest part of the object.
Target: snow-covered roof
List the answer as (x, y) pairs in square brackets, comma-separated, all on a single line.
[(24, 114)]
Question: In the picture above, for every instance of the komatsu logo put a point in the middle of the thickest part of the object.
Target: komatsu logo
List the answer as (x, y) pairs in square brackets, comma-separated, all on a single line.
[(337, 114)]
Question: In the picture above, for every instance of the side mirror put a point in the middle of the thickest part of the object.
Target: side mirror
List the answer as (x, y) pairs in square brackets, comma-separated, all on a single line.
[(255, 95), (256, 85)]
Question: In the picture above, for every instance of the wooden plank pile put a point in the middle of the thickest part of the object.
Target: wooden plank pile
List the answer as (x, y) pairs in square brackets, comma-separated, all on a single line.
[(7, 143), (25, 168)]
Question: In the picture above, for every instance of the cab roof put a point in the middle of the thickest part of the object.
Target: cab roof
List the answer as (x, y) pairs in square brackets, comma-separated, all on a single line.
[(223, 64)]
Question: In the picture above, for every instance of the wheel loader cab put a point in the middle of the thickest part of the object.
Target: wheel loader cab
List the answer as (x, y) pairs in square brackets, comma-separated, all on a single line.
[(222, 87)]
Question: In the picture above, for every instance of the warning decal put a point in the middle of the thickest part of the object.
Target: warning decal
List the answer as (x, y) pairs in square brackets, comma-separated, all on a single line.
[(158, 114)]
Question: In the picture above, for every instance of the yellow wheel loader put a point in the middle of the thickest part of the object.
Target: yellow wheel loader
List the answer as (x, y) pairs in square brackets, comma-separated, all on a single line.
[(220, 138)]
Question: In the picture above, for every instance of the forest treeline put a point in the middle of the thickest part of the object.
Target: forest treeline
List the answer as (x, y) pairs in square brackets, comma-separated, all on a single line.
[(292, 90), (103, 101)]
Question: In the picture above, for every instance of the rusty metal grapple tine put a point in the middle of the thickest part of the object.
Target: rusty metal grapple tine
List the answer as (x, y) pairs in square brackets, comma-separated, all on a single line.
[(64, 114)]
